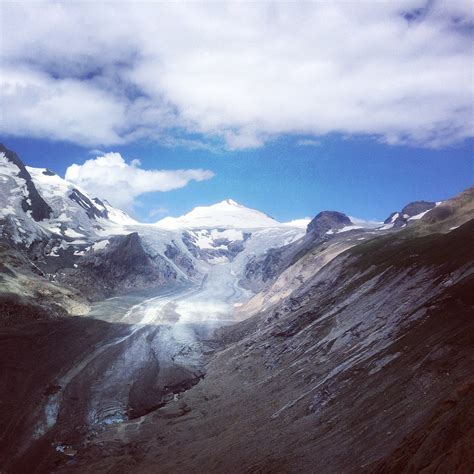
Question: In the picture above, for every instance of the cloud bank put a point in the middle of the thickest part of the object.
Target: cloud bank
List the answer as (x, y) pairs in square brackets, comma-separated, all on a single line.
[(237, 74), (111, 177)]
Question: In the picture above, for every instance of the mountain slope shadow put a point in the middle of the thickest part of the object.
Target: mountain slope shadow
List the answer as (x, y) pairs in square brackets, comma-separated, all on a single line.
[(63, 380)]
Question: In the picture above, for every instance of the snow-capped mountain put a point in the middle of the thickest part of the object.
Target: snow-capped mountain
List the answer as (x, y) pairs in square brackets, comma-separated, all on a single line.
[(77, 238), (226, 214), (74, 213), (71, 235), (35, 204)]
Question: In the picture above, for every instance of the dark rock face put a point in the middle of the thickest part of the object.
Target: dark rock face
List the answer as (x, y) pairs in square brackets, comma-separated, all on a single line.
[(37, 205), (91, 210), (327, 220), (262, 270), (439, 214), (13, 309), (123, 265), (417, 207), (188, 241), (182, 261), (388, 220)]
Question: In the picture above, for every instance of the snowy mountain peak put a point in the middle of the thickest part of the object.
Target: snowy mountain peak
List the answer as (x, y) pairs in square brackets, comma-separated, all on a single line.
[(231, 202), (226, 214), (69, 201)]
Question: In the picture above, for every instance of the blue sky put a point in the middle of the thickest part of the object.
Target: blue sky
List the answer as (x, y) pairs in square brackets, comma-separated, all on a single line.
[(360, 176), (288, 107)]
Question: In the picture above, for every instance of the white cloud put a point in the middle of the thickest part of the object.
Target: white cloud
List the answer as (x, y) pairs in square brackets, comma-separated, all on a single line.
[(112, 178), (364, 222), (241, 72), (68, 109)]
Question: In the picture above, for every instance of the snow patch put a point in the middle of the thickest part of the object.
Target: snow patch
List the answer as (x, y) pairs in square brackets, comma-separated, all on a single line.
[(100, 245), (72, 233), (418, 216)]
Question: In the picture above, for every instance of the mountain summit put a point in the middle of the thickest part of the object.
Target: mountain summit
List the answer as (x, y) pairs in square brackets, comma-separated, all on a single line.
[(227, 213)]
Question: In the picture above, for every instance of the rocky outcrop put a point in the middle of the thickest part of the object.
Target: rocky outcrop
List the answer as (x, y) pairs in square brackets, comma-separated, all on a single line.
[(91, 210), (33, 202), (123, 265), (326, 221), (217, 246), (451, 213), (262, 270), (417, 207), (27, 294), (182, 261), (400, 219)]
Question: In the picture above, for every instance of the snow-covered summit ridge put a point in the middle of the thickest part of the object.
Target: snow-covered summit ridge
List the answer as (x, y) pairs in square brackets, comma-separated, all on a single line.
[(68, 200), (225, 214)]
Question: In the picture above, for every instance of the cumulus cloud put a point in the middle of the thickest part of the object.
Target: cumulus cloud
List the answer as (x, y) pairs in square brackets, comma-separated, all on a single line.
[(68, 109), (111, 177), (237, 73)]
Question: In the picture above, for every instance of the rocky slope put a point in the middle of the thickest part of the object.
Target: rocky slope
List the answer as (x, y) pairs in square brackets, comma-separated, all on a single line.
[(118, 265), (277, 273), (328, 234), (30, 199), (413, 211), (26, 293)]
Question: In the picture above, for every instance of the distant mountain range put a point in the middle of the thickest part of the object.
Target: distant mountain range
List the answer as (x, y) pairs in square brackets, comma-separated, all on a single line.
[(62, 229)]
